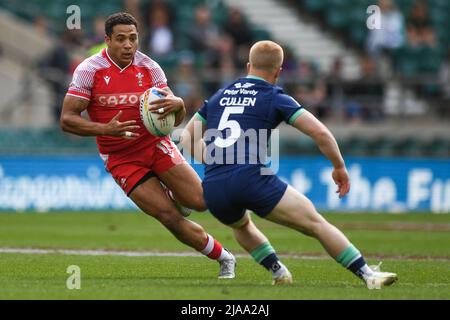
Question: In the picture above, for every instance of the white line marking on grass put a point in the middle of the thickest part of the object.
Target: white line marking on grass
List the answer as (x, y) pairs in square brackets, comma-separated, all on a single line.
[(99, 252), (194, 254)]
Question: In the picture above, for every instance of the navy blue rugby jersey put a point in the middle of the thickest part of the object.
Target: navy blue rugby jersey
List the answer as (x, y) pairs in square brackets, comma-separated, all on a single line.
[(239, 119)]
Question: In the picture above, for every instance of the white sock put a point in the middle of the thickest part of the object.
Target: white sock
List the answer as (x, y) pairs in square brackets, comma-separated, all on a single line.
[(280, 271), (366, 271), (212, 249), (225, 255)]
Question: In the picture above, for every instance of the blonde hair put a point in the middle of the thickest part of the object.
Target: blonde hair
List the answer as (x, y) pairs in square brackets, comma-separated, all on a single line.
[(266, 56)]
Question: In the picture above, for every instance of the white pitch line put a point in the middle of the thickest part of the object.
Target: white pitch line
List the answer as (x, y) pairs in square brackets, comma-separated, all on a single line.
[(188, 254), (132, 253), (99, 252)]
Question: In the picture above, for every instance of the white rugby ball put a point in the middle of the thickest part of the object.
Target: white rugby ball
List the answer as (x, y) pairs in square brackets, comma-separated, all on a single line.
[(157, 127)]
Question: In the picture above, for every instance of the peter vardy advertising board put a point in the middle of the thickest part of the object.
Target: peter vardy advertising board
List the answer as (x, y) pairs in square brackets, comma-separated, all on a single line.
[(81, 183)]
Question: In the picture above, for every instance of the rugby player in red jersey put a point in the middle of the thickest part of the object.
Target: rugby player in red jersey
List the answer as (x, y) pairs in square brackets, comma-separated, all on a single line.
[(108, 86)]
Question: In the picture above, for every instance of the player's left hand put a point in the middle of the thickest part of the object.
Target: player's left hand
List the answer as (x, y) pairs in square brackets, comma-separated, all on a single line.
[(166, 105), (340, 177)]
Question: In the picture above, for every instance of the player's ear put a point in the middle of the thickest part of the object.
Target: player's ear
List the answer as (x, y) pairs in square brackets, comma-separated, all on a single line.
[(248, 67), (277, 75), (107, 39)]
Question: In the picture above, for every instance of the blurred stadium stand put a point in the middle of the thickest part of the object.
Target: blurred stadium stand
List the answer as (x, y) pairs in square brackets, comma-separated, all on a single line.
[(394, 104)]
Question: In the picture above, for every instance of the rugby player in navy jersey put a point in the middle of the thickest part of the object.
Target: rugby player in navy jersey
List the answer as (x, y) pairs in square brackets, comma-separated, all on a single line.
[(232, 124)]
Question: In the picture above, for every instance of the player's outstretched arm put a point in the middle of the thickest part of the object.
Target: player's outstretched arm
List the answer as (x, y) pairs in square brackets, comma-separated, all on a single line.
[(192, 138), (72, 121), (311, 126)]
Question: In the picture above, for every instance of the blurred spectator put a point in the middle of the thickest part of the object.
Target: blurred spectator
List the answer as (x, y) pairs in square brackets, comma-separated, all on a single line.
[(133, 7), (420, 31), (336, 73), (290, 64), (335, 91), (187, 84), (392, 32), (445, 78), (160, 40), (98, 35), (364, 95), (302, 79), (237, 27), (313, 94), (368, 68), (224, 61), (307, 70), (204, 34), (97, 40), (41, 25), (56, 67)]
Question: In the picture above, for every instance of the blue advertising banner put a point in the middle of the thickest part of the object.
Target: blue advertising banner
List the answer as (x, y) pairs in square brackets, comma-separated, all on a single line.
[(377, 184)]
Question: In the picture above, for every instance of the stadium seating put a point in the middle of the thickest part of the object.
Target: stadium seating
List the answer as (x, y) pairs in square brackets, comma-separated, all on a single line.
[(438, 147), (296, 146), (54, 141), (43, 141), (382, 146), (335, 13), (350, 17), (410, 147), (55, 11), (355, 146)]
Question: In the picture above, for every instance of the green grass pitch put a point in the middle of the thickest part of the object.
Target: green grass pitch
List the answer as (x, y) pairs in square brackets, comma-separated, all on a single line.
[(416, 246)]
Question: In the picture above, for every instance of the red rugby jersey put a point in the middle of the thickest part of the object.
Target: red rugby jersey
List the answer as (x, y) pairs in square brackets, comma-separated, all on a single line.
[(110, 89)]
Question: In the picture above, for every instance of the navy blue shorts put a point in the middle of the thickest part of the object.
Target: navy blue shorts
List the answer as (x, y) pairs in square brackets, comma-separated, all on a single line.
[(228, 197)]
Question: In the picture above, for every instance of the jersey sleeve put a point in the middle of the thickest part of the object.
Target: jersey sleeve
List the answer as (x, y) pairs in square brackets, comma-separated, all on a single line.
[(201, 114), (82, 82), (158, 76), (288, 108)]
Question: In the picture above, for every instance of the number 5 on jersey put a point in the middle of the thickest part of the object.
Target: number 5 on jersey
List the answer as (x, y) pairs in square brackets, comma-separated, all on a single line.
[(233, 125)]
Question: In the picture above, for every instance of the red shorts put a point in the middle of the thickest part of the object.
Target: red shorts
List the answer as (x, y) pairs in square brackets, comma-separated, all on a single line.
[(130, 166)]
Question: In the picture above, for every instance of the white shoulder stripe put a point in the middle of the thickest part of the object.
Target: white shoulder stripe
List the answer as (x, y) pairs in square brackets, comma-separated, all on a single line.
[(78, 96), (83, 76), (94, 63)]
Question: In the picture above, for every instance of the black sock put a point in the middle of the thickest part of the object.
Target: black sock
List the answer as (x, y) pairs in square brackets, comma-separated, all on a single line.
[(356, 266), (271, 262)]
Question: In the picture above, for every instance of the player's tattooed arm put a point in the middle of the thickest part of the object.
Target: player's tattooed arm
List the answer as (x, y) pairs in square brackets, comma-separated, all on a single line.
[(72, 121), (170, 103)]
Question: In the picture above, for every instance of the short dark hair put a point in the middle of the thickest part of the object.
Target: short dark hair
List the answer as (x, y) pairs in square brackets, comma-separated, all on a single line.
[(118, 18)]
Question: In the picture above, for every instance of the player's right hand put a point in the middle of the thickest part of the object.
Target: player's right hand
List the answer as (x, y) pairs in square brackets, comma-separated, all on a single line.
[(121, 129), (340, 177)]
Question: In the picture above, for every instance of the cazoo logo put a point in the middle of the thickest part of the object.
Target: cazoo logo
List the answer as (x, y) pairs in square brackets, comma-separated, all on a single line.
[(123, 99)]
